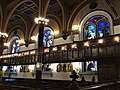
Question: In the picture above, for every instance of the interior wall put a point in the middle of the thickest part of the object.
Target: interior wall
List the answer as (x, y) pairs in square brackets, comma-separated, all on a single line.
[(52, 71), (57, 41), (60, 41), (30, 47), (117, 29), (107, 71), (55, 76)]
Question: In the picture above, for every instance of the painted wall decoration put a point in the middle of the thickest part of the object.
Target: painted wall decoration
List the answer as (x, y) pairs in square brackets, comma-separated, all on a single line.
[(59, 67), (70, 67), (46, 67), (64, 67), (56, 71)]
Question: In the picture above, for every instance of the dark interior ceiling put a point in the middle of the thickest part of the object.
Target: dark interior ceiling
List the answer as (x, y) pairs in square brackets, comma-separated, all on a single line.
[(29, 10), (52, 2)]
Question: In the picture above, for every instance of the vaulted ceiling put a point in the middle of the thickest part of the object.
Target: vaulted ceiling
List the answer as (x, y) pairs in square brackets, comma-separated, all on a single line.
[(20, 14)]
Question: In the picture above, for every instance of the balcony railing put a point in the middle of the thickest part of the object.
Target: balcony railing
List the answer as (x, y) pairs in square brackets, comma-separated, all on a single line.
[(76, 51)]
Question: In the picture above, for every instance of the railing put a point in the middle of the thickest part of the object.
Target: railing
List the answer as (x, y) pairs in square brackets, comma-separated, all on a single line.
[(76, 51), (25, 57)]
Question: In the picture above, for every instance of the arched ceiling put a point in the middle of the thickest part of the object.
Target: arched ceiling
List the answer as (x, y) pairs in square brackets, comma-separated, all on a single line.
[(61, 11), (29, 10)]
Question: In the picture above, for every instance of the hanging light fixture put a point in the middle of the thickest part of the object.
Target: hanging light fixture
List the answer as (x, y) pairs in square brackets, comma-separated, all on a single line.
[(39, 19), (3, 34)]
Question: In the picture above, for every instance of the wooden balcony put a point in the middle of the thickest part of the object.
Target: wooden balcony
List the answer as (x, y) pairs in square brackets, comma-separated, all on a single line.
[(76, 51)]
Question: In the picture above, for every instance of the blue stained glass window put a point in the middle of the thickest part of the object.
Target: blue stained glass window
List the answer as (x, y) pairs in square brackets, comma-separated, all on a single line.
[(15, 46), (97, 25), (48, 38), (103, 29), (90, 31), (95, 19)]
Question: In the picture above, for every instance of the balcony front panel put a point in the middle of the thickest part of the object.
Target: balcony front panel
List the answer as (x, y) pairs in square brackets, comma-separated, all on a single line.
[(76, 51)]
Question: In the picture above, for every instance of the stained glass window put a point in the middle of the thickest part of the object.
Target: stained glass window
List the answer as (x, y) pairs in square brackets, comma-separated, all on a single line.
[(90, 31), (91, 66), (103, 29), (48, 38), (95, 19), (97, 26), (15, 46)]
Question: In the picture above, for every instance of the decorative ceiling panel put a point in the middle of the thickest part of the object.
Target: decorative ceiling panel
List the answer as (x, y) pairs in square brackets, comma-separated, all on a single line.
[(29, 12), (28, 3), (52, 2), (21, 7)]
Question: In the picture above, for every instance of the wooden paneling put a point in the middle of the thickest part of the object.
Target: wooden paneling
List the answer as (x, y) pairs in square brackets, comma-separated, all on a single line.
[(80, 52)]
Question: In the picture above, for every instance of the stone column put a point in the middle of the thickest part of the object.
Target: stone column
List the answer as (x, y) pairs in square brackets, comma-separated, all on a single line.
[(43, 4)]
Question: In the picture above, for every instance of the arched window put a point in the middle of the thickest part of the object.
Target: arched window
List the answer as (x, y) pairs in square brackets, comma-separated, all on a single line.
[(96, 26), (89, 31), (103, 28), (15, 45), (48, 38), (91, 65)]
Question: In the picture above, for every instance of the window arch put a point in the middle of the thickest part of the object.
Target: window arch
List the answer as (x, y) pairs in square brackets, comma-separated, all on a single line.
[(48, 38), (96, 17), (98, 27), (14, 45), (103, 28), (89, 31)]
